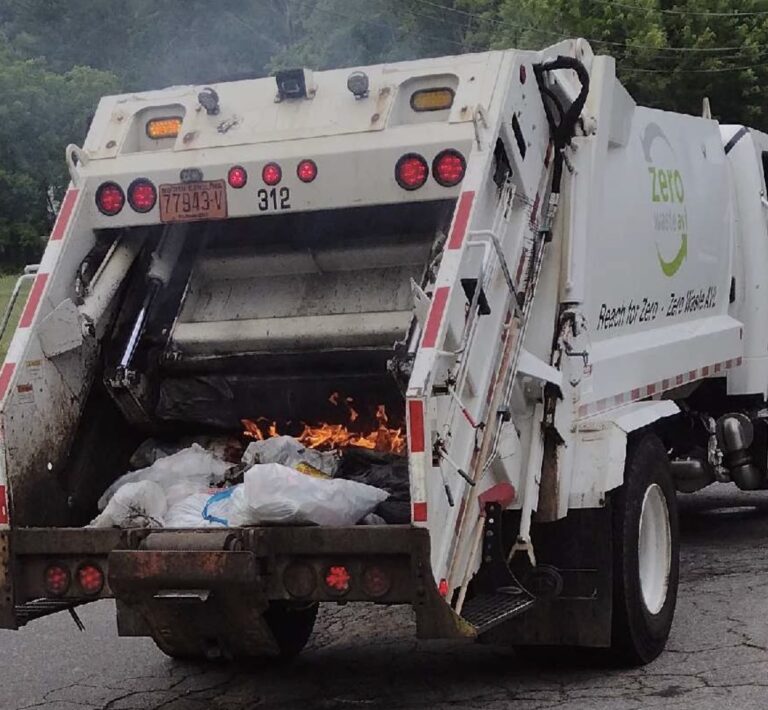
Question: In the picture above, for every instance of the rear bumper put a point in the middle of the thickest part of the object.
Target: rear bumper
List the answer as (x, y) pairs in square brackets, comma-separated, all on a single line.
[(143, 567)]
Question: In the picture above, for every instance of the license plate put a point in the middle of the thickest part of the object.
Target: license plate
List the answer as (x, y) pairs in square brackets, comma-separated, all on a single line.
[(193, 201)]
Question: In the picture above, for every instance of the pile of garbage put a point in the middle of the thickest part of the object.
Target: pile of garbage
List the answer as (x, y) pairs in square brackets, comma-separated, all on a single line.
[(277, 481)]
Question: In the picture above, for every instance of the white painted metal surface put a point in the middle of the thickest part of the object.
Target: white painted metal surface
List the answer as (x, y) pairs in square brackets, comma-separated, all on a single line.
[(654, 549)]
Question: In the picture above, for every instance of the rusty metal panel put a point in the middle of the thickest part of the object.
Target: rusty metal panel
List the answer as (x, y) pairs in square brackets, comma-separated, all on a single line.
[(134, 569)]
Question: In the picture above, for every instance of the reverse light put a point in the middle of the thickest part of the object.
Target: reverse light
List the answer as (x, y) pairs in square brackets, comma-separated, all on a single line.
[(448, 168), (237, 177), (375, 582), (168, 127), (307, 170), (90, 579), (411, 171), (57, 580), (142, 195), (432, 99), (337, 579), (110, 198), (272, 174)]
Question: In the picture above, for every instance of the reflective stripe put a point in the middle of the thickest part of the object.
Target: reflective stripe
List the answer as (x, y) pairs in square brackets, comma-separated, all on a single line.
[(33, 301), (461, 220), (65, 213)]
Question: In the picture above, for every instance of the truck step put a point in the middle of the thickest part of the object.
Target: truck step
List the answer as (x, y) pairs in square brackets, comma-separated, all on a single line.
[(42, 607), (485, 611)]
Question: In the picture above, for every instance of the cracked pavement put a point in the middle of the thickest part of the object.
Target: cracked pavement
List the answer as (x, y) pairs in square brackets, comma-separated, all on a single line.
[(367, 657)]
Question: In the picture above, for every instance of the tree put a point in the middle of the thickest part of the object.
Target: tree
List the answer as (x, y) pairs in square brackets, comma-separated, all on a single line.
[(40, 113)]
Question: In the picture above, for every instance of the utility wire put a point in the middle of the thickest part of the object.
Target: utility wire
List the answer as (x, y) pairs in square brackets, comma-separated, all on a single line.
[(684, 13), (561, 35)]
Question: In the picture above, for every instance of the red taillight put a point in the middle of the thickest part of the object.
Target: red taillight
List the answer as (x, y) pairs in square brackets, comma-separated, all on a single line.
[(237, 177), (337, 579), (57, 580), (307, 170), (375, 582), (110, 198), (411, 171), (272, 174), (449, 167), (142, 195), (90, 579)]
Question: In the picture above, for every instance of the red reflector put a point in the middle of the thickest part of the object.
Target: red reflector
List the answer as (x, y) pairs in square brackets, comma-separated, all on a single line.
[(307, 170), (448, 168), (142, 195), (110, 198), (376, 582), (57, 580), (442, 588), (337, 579), (411, 171), (272, 174), (237, 177), (90, 578)]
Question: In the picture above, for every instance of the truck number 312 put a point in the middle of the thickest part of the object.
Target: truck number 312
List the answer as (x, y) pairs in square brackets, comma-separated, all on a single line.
[(274, 199)]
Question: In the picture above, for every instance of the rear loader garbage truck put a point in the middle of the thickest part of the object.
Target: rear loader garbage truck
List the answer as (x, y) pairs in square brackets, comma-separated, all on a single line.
[(478, 318)]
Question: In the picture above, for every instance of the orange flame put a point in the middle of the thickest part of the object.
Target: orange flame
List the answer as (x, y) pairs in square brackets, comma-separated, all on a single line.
[(338, 436)]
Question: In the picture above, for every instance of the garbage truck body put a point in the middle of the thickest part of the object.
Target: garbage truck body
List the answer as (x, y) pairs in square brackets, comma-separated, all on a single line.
[(559, 294)]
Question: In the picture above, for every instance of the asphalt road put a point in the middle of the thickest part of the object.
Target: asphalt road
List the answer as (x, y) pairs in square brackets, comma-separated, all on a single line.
[(366, 657)]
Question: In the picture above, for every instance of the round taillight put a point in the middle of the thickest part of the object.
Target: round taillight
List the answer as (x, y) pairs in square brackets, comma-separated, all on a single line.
[(307, 170), (411, 171), (110, 198), (449, 167), (375, 582), (142, 195), (337, 579), (57, 580), (299, 579), (272, 174), (237, 177), (90, 579)]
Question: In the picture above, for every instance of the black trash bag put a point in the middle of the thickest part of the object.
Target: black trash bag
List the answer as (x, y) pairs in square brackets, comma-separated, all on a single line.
[(382, 470)]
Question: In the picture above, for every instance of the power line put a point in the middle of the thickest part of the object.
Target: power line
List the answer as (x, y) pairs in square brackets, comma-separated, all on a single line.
[(722, 70), (690, 13), (561, 35)]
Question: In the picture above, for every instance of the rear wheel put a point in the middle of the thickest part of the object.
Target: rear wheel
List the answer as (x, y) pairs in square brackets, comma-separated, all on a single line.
[(290, 624), (645, 555)]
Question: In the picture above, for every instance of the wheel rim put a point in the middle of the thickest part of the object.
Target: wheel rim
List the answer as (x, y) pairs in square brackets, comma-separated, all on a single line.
[(654, 549)]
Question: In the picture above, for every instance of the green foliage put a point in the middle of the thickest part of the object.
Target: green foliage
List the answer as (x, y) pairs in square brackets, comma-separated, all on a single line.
[(40, 113)]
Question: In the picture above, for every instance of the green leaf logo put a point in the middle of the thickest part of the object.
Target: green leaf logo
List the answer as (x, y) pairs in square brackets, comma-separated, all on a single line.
[(670, 268)]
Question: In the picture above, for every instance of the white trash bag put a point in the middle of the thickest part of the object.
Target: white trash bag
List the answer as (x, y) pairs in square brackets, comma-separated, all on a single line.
[(179, 475), (137, 504), (273, 493), (202, 510), (290, 452)]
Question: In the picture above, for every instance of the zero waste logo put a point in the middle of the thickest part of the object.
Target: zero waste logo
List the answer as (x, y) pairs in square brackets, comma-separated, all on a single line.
[(670, 218)]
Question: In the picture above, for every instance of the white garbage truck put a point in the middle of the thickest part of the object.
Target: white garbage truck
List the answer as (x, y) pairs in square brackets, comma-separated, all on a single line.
[(559, 296)]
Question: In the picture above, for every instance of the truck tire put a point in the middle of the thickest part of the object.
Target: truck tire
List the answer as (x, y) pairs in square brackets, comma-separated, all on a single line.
[(646, 552), (291, 626)]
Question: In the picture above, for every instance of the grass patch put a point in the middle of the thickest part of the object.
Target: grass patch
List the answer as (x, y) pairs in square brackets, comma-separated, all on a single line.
[(6, 289)]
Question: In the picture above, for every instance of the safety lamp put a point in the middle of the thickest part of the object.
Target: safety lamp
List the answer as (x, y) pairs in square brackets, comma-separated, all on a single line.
[(110, 198), (411, 171)]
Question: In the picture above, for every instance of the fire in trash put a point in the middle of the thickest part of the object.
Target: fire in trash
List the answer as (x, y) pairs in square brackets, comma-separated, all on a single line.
[(327, 436)]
